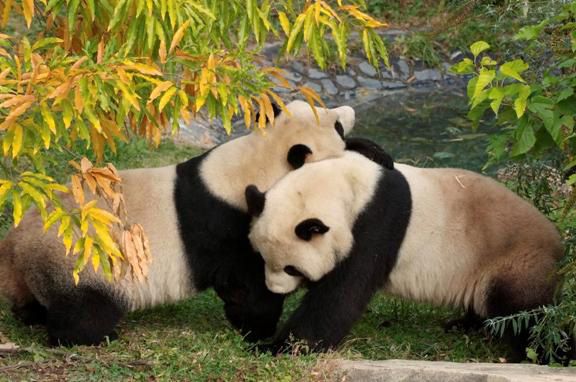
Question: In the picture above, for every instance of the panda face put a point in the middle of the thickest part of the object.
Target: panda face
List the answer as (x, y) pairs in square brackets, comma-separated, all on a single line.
[(305, 253), (303, 225)]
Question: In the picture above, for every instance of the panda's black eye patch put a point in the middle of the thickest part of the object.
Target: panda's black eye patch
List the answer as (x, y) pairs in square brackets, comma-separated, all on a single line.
[(292, 271), (339, 129)]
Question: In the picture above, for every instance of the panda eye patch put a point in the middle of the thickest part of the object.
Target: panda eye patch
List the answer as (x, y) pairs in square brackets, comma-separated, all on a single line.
[(292, 271)]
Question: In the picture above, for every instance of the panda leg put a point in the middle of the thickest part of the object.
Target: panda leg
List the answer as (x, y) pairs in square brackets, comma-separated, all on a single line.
[(85, 317), (31, 313), (469, 322)]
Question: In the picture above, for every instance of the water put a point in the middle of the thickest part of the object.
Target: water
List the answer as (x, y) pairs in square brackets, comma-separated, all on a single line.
[(426, 129)]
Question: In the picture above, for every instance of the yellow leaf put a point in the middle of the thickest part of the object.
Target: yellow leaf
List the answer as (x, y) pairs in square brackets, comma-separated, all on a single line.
[(247, 109), (162, 86), (88, 243), (96, 261), (131, 97), (67, 239), (34, 194), (76, 277), (6, 186), (17, 100), (14, 114), (64, 224), (6, 12), (28, 10), (48, 117), (17, 140), (17, 205), (142, 68), (178, 36), (162, 53), (77, 190), (78, 100), (103, 216), (269, 110), (284, 22), (56, 215), (278, 101), (166, 98)]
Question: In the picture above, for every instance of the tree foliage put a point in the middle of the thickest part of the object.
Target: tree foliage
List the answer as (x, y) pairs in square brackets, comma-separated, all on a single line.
[(92, 73)]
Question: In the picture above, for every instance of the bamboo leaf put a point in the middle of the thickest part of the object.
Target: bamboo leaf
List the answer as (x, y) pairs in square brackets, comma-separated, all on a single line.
[(28, 10), (166, 98), (17, 140), (17, 206), (178, 36)]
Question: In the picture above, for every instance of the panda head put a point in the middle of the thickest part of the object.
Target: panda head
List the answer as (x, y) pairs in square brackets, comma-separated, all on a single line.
[(302, 226), (305, 138)]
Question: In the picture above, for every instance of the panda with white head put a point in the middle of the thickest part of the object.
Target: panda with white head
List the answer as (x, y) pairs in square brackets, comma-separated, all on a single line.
[(350, 227), (196, 220)]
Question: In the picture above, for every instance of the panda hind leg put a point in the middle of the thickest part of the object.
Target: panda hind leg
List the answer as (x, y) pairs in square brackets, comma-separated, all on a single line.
[(86, 317), (467, 323), (31, 313)]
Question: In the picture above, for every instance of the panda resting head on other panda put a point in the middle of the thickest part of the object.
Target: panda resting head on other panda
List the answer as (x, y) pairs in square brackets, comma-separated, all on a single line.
[(349, 227), (196, 220)]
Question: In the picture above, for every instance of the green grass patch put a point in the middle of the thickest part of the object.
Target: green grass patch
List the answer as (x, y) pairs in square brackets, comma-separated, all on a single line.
[(193, 341)]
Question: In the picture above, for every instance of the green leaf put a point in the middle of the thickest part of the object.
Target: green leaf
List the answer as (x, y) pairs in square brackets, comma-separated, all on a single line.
[(513, 69), (496, 95), (478, 47), (530, 32), (43, 43), (484, 79), (466, 66), (522, 100), (487, 61), (525, 138)]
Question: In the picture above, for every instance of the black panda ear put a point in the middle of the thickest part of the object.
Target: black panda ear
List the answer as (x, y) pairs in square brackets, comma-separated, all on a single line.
[(306, 229), (339, 129), (370, 150), (255, 200), (297, 155), (277, 111)]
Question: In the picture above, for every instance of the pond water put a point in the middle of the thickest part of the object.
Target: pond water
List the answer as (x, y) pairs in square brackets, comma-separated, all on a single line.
[(426, 129)]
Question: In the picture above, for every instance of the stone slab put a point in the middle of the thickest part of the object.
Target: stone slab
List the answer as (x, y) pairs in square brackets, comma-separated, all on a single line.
[(429, 371)]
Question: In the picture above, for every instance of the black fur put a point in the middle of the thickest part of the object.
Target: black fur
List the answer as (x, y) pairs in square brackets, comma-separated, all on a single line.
[(297, 155), (306, 229), (334, 303), (85, 316), (31, 313), (339, 129), (219, 253), (371, 151), (255, 200)]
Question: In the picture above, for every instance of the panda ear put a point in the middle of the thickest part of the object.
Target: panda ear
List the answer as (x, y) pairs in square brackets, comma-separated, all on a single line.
[(306, 229), (297, 155), (255, 200)]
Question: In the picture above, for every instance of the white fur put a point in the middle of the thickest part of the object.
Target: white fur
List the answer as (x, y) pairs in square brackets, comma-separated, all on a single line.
[(334, 191), (150, 202), (434, 263), (260, 158)]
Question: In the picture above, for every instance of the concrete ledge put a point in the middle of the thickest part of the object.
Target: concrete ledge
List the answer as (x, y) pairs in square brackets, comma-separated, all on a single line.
[(428, 371)]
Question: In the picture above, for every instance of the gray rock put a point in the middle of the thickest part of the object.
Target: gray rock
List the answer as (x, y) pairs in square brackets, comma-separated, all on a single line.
[(386, 74), (316, 74), (292, 76), (393, 85), (429, 371), (329, 87), (314, 86), (277, 82), (352, 72), (299, 67), (349, 94), (346, 81), (404, 69), (367, 69), (369, 82), (446, 68), (428, 75)]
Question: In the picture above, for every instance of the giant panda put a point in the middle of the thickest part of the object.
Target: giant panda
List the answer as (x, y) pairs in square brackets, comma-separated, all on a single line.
[(348, 227), (194, 215)]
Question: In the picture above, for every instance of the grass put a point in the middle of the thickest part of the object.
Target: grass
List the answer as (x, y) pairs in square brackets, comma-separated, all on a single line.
[(192, 341)]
